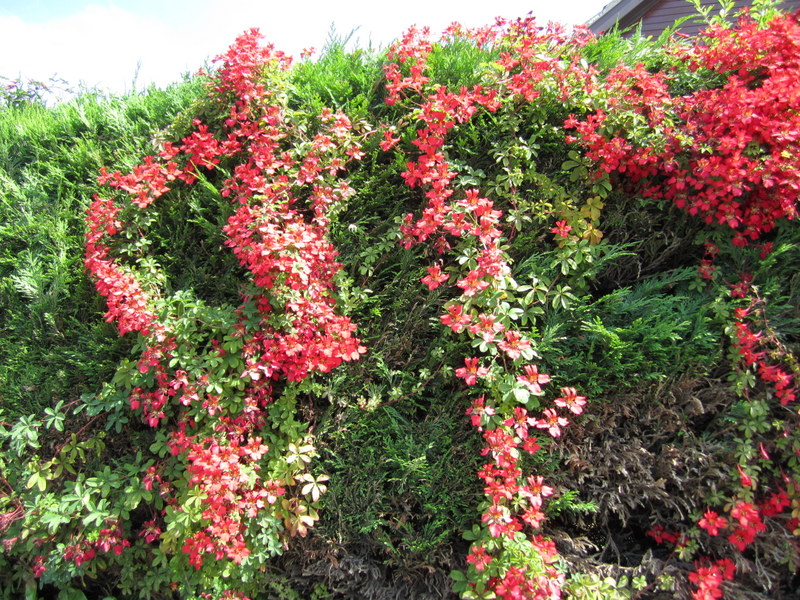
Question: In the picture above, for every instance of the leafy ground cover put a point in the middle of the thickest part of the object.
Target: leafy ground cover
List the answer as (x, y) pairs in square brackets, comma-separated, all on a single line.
[(508, 313)]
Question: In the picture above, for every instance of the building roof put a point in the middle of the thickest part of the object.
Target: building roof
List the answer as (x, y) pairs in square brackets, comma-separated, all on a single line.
[(624, 12), (656, 15)]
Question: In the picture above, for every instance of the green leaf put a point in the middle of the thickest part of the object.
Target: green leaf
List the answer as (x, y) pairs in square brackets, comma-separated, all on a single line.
[(521, 395), (71, 594), (54, 520), (38, 480)]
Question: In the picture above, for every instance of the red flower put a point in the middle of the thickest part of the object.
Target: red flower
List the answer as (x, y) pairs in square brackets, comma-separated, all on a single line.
[(435, 277), (530, 446), (561, 229), (471, 371), (514, 344), (473, 284), (536, 487), (742, 538), (775, 504), (748, 516), (533, 517), (389, 140), (712, 522), (455, 318), (744, 478), (706, 269), (570, 399), (486, 327), (38, 566), (533, 380), (552, 422), (498, 519), (478, 557), (660, 535), (151, 531)]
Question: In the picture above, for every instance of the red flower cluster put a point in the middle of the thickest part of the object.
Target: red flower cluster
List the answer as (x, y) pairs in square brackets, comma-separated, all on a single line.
[(708, 577), (727, 154), (662, 535), (748, 518), (749, 345), (514, 501), (127, 302), (745, 522), (110, 539), (412, 51), (282, 195), (227, 477)]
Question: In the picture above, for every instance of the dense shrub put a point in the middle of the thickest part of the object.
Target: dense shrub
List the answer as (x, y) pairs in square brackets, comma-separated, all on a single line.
[(503, 212)]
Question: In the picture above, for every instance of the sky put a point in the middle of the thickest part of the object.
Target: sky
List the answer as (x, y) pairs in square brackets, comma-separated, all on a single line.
[(127, 45)]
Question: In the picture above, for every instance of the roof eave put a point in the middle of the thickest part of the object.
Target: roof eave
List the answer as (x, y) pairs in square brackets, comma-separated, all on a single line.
[(624, 12)]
